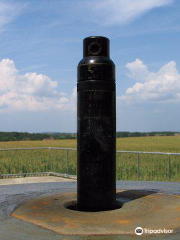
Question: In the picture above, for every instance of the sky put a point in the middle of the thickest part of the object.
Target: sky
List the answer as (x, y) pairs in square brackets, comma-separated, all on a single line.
[(41, 45)]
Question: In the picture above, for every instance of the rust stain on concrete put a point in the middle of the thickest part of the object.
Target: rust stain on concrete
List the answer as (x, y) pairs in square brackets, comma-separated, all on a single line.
[(139, 208), (123, 221), (45, 203)]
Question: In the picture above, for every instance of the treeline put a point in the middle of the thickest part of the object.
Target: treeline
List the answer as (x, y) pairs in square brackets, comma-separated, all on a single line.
[(21, 136), (145, 134), (24, 136), (62, 135)]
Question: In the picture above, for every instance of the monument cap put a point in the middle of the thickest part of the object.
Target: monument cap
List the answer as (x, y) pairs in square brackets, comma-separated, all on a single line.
[(96, 46)]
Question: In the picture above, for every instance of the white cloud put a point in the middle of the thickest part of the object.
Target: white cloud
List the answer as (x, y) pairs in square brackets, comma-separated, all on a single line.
[(30, 91), (138, 70), (110, 12), (163, 86), (9, 11)]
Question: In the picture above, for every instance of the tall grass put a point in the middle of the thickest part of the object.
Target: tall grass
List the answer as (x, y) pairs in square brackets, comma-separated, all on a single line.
[(151, 167)]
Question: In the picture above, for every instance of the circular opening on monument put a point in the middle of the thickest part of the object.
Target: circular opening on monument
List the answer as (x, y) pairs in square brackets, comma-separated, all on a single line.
[(94, 48), (73, 206)]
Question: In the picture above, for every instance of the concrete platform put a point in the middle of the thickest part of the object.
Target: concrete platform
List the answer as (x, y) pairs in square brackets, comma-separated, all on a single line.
[(25, 180), (11, 196)]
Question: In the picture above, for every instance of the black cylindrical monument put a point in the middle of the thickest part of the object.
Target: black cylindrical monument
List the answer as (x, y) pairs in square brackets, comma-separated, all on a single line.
[(96, 128)]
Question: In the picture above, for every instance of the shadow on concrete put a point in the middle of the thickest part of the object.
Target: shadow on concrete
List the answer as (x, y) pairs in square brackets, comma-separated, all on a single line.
[(121, 198), (130, 195)]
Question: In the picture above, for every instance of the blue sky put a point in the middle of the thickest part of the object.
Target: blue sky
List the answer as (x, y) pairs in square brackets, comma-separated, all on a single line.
[(41, 45)]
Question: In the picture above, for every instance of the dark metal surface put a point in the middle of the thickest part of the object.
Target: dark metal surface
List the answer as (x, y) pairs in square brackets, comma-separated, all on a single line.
[(96, 112)]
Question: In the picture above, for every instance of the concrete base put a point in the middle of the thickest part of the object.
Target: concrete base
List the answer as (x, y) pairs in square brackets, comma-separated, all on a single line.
[(146, 209), (28, 180), (14, 196)]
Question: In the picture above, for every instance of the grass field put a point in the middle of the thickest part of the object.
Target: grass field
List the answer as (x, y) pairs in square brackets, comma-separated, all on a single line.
[(151, 167), (148, 144)]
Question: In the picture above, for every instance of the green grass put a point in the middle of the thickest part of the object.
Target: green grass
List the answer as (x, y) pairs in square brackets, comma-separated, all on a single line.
[(151, 167)]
